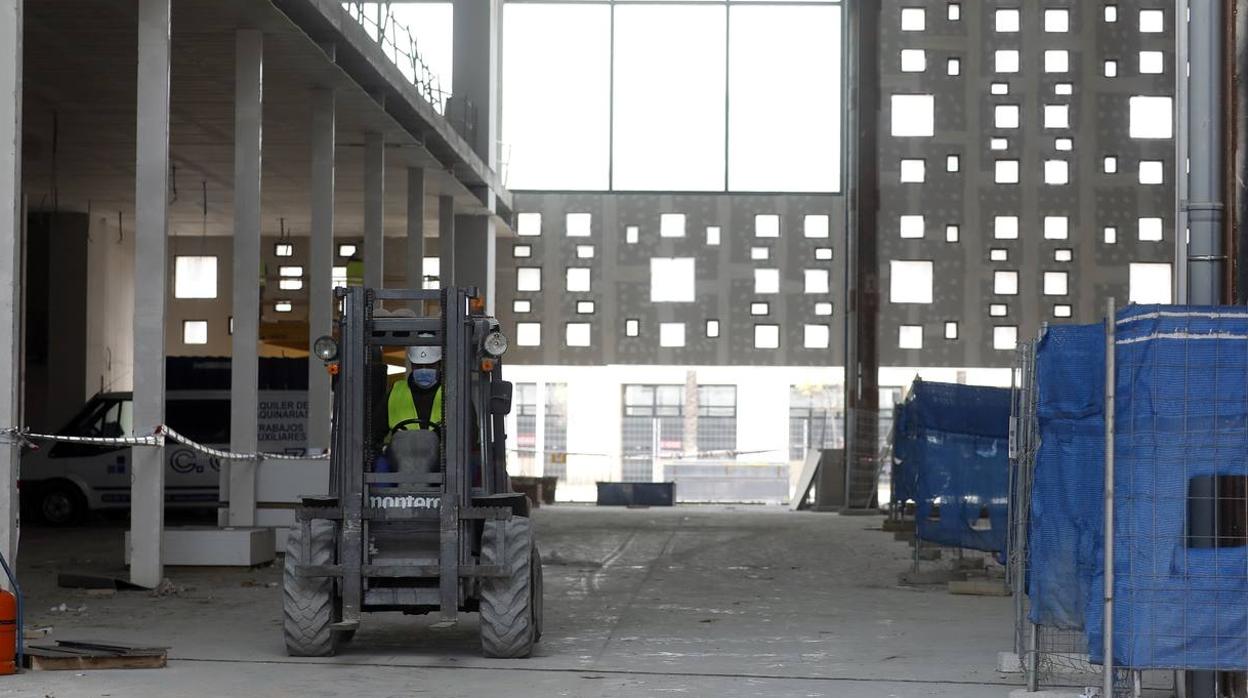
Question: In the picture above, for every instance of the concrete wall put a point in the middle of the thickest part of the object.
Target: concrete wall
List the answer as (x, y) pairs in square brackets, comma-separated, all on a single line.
[(110, 308)]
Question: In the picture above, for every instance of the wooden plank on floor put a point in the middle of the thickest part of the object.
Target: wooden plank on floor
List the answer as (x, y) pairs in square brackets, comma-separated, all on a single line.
[(80, 656)]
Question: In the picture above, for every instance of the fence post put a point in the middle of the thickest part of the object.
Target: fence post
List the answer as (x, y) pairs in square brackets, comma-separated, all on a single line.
[(1107, 662)]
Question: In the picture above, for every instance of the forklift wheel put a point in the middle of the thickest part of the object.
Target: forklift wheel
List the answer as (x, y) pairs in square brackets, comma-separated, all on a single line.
[(309, 607), (507, 603)]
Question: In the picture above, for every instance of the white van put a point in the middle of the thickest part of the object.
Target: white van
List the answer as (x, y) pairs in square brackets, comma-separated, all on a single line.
[(61, 482)]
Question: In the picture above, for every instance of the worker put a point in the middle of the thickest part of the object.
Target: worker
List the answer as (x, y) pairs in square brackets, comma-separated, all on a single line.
[(419, 397)]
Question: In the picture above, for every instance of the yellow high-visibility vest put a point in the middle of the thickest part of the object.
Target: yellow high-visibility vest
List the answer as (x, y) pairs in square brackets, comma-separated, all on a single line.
[(401, 406)]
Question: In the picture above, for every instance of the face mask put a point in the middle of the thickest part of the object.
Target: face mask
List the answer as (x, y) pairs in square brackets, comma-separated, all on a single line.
[(425, 378)]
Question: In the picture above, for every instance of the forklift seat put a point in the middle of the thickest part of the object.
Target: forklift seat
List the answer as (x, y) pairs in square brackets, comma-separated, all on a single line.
[(416, 451)]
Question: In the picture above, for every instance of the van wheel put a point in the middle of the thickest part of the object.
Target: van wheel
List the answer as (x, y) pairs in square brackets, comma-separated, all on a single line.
[(61, 504)]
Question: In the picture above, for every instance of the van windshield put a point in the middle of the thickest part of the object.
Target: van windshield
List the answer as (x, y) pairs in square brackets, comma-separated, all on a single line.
[(204, 421), (103, 417)]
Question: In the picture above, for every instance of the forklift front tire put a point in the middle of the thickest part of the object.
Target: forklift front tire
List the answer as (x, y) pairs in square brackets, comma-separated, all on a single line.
[(308, 603), (507, 603)]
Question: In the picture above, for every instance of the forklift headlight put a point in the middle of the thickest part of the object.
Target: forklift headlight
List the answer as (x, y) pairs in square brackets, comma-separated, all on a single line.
[(325, 348), (495, 344)]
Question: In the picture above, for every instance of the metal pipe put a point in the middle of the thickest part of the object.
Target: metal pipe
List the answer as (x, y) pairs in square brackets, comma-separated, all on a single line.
[(1107, 662), (1204, 206)]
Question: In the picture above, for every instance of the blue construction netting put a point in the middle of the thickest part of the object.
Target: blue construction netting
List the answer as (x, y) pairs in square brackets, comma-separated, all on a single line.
[(903, 477), (1181, 415), (954, 447), (1065, 523)]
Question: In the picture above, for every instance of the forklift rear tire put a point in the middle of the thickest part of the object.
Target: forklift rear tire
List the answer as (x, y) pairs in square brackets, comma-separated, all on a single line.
[(508, 630), (308, 603), (538, 593)]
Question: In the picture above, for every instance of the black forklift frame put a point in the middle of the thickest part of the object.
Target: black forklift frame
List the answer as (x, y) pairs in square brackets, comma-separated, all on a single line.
[(467, 387)]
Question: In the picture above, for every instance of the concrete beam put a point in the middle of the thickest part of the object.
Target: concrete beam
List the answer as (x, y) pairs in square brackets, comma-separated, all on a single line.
[(11, 226), (446, 241), (320, 264), (415, 266), (474, 257), (245, 367), (477, 50), (374, 209), (151, 199)]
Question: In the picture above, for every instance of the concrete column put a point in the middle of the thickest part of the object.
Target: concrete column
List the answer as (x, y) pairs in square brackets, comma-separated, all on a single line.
[(151, 197), (245, 367), (478, 30), (320, 264), (446, 241), (474, 256), (374, 209), (415, 228), (11, 225)]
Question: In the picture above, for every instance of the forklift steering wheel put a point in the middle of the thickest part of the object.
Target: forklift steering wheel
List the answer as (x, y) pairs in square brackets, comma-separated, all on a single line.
[(422, 423)]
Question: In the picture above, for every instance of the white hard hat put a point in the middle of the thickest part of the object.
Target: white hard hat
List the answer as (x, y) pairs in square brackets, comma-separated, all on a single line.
[(424, 356)]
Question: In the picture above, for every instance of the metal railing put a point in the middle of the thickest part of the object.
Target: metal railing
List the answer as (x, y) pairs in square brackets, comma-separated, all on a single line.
[(399, 44)]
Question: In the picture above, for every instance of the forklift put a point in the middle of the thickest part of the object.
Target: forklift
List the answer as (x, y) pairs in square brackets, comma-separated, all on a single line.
[(437, 529)]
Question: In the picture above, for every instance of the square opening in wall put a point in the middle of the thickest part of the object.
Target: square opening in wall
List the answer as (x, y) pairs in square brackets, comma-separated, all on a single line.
[(1057, 61), (292, 272), (823, 254), (283, 307), (766, 336), (1150, 284), (579, 225), (1152, 21), (521, 251), (817, 281), (913, 60), (818, 226), (951, 330), (577, 334), (912, 227), (195, 277), (1063, 255), (1110, 235), (529, 279), (999, 89), (1005, 227), (998, 310), (1111, 69), (1063, 89), (631, 234), (1055, 283), (817, 337), (1006, 172), (672, 334), (632, 328), (1007, 21), (1056, 227), (757, 309), (953, 163), (910, 337), (1150, 230), (672, 225), (522, 306), (1005, 283), (584, 307), (760, 254), (194, 331), (290, 284), (910, 281), (528, 224), (1005, 338), (913, 116), (1111, 165), (1064, 145), (998, 254), (998, 144), (953, 66), (1006, 61), (672, 280), (766, 225), (913, 19), (1111, 13), (283, 249), (1057, 116), (528, 334), (954, 11), (712, 235), (584, 251), (1005, 115), (712, 329), (1056, 172), (1152, 172), (766, 281), (1151, 117), (823, 309), (913, 171), (1152, 62), (347, 250), (1057, 21), (431, 269), (1062, 310), (338, 277), (952, 233)]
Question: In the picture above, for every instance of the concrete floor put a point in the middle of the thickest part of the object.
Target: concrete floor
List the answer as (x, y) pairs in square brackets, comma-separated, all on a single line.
[(690, 601)]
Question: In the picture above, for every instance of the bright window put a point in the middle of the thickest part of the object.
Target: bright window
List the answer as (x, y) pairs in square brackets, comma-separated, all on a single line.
[(195, 277)]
